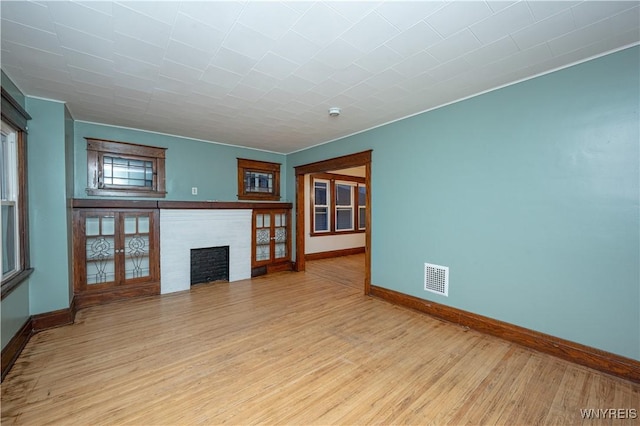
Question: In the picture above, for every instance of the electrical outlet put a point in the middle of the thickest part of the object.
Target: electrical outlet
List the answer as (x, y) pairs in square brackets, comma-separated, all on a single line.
[(194, 190)]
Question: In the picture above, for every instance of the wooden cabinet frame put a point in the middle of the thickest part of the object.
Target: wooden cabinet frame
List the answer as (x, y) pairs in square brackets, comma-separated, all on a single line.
[(119, 287), (273, 262)]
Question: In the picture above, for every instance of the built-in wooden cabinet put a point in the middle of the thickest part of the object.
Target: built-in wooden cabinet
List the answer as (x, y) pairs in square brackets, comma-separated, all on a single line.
[(116, 254), (271, 241)]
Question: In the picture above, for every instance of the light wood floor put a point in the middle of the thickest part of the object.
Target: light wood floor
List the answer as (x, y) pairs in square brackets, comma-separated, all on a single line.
[(292, 348)]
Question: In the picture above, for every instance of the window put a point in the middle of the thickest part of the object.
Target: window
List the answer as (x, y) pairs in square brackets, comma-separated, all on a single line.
[(14, 253), (125, 169), (258, 180), (338, 204), (321, 220), (9, 199)]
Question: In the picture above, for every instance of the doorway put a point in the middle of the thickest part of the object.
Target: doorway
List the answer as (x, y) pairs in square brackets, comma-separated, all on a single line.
[(344, 162)]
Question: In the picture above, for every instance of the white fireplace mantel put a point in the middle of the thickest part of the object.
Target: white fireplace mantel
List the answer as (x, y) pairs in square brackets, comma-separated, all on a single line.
[(183, 230)]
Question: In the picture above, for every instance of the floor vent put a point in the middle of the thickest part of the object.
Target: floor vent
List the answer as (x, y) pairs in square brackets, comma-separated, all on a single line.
[(436, 279)]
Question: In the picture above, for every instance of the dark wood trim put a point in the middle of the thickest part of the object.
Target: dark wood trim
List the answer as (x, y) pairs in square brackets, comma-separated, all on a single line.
[(55, 318), (577, 353), (13, 112), (93, 298), (12, 283), (222, 205), (337, 163), (344, 162), (334, 253), (300, 213), (87, 203), (12, 351)]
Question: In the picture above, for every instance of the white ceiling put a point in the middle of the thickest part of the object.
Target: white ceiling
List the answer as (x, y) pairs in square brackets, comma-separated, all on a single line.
[(263, 74)]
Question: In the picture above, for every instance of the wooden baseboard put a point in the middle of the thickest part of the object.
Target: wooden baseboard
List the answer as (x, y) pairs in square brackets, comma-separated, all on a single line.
[(333, 253), (597, 359), (55, 318), (11, 352), (93, 298), (33, 325)]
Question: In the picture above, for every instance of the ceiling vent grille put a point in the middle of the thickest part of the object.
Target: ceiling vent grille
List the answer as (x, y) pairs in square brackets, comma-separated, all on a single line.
[(436, 279)]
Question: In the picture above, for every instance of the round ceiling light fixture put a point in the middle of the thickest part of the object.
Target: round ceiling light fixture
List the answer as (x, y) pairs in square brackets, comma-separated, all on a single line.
[(334, 112)]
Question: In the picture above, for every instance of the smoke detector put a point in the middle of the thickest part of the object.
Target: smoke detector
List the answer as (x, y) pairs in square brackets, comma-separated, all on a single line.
[(334, 112)]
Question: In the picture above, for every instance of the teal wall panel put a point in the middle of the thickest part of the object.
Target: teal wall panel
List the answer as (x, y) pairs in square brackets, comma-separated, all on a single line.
[(48, 233), (210, 167), (14, 312), (530, 194)]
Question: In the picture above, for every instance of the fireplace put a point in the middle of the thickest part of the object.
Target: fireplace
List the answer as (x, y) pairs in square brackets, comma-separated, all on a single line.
[(209, 264), (182, 230)]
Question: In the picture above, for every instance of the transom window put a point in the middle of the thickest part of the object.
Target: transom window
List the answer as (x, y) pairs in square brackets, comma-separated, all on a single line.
[(258, 180), (125, 169), (338, 204)]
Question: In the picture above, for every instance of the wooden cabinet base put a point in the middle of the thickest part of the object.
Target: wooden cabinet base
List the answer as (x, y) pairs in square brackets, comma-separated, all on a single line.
[(93, 298)]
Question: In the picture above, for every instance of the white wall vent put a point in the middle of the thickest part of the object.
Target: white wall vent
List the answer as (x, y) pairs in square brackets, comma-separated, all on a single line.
[(436, 279)]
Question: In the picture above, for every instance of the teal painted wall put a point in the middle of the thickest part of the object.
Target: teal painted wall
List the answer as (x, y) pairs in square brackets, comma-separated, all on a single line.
[(210, 167), (530, 194), (14, 308), (15, 312), (50, 281)]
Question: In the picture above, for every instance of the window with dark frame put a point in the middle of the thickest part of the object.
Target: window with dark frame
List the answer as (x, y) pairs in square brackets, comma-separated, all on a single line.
[(338, 204), (13, 194), (125, 169), (258, 180)]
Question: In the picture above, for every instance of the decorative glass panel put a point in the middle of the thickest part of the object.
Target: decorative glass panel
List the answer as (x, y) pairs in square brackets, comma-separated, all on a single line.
[(143, 224), (263, 252), (278, 220), (267, 220), (92, 225), (130, 224), (262, 236), (119, 171), (255, 181), (100, 260), (108, 225), (281, 235), (281, 250), (136, 249)]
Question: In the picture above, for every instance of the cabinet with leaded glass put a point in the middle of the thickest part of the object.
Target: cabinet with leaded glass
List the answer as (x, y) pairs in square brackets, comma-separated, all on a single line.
[(116, 254), (271, 248)]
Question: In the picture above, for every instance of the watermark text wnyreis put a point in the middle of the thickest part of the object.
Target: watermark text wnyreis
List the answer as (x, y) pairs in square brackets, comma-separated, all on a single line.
[(608, 413)]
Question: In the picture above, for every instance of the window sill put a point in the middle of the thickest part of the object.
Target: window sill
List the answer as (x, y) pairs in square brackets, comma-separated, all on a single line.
[(125, 193), (13, 282), (325, 234)]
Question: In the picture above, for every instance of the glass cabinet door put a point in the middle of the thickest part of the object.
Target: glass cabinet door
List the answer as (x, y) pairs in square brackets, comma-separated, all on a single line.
[(136, 247), (262, 245), (100, 248), (280, 235)]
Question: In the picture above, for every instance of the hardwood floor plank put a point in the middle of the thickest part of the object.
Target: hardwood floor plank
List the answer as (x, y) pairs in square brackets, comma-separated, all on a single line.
[(291, 348)]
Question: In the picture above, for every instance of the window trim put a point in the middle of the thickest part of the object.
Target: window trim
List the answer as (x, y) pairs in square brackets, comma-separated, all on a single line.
[(13, 114), (327, 206), (246, 165), (333, 179), (97, 149)]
